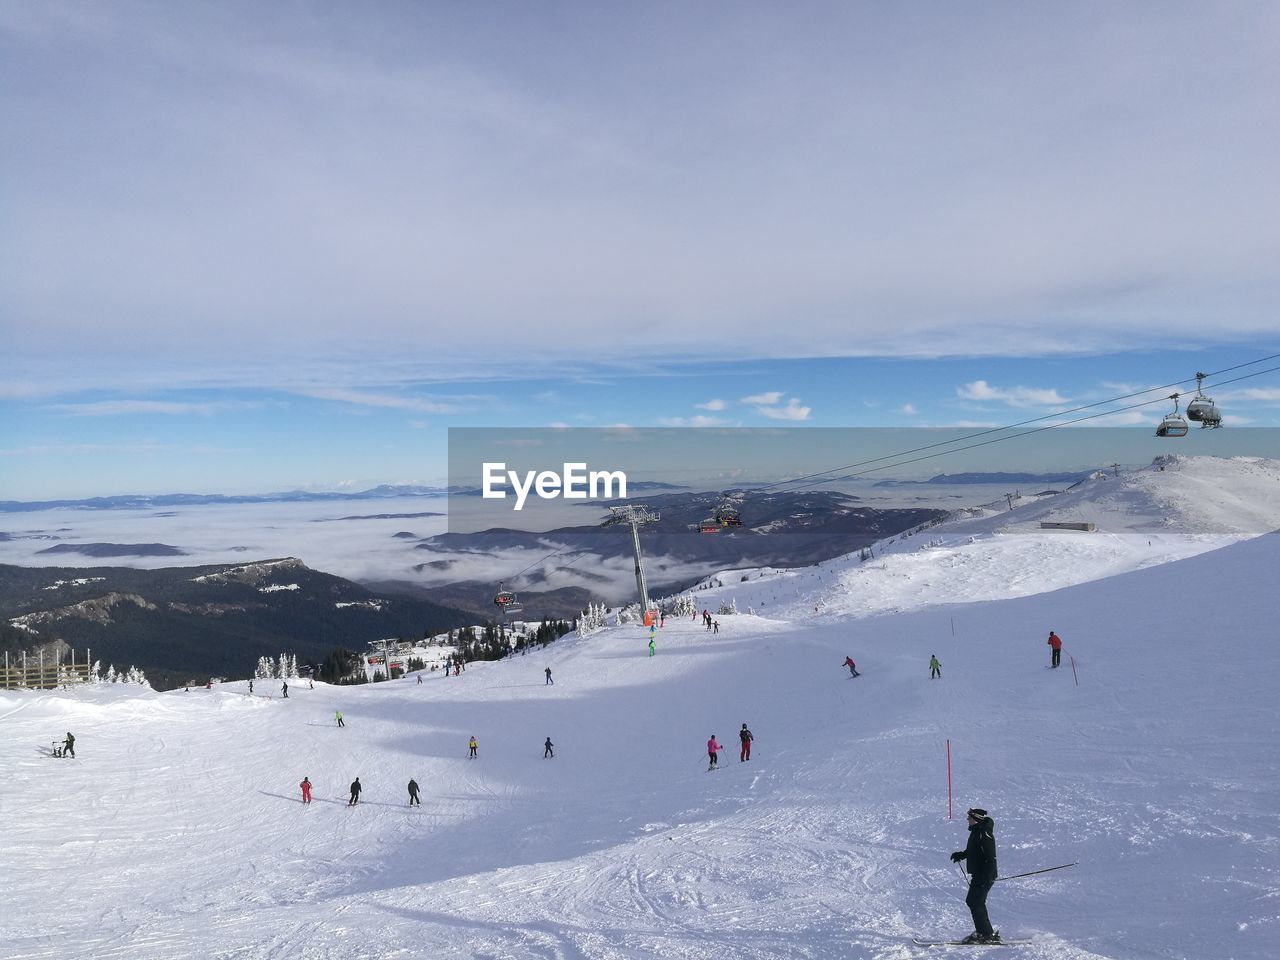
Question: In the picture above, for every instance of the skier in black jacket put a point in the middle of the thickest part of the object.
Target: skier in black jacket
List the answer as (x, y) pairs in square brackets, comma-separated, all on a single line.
[(980, 858)]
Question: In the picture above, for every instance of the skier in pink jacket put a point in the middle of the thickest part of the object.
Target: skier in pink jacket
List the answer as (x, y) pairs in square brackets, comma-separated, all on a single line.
[(712, 749)]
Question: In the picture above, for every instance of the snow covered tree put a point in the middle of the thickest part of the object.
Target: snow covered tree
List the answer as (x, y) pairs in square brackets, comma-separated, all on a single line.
[(112, 676), (681, 606), (137, 676), (95, 672), (264, 671), (592, 619), (728, 609)]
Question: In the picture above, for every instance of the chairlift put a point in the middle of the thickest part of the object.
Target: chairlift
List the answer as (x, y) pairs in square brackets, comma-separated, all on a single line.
[(1202, 409), (507, 602), (709, 525), (1172, 425), (727, 513)]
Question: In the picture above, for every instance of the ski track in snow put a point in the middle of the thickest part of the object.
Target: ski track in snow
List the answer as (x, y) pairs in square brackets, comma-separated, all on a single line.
[(178, 831)]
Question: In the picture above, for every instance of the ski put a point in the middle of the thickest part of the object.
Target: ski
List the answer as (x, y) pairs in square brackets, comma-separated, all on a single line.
[(1015, 941)]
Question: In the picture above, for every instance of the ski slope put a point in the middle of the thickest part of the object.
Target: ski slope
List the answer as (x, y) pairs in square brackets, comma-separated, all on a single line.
[(178, 832)]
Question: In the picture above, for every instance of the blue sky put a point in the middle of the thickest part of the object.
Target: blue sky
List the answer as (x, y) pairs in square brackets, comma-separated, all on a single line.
[(244, 249)]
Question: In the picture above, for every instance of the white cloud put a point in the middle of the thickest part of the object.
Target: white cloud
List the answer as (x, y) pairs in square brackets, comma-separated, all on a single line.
[(1265, 394), (792, 411), (361, 398), (697, 420), (712, 405), (764, 399), (124, 408), (981, 391), (909, 409)]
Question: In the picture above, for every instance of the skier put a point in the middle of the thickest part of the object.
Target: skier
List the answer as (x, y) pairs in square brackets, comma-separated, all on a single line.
[(712, 749), (980, 857), (1055, 642), (853, 667), (337, 715), (419, 678), (547, 671), (935, 668), (69, 746), (651, 647), (413, 793), (662, 619), (355, 792), (250, 686), (284, 689), (306, 789), (472, 744), (715, 626), (745, 736), (547, 750)]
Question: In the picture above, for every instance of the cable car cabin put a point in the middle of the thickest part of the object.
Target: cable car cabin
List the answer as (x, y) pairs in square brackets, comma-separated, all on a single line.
[(1172, 426), (1203, 411)]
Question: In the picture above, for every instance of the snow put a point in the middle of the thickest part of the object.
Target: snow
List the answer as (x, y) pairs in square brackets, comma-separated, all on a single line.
[(178, 831)]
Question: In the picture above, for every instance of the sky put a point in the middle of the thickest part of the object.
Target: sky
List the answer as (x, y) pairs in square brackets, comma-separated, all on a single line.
[(246, 249)]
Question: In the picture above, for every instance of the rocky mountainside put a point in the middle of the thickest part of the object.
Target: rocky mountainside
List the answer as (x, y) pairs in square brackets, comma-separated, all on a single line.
[(182, 622)]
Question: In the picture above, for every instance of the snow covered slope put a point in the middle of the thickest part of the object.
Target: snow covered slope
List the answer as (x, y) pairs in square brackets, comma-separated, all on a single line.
[(178, 831)]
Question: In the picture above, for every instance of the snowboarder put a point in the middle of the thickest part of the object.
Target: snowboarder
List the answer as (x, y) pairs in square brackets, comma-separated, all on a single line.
[(980, 858), (745, 736), (413, 793), (355, 792), (306, 789), (472, 744), (712, 749), (853, 667), (652, 648), (547, 671), (284, 690), (547, 750), (935, 668), (69, 746), (1055, 642), (337, 715)]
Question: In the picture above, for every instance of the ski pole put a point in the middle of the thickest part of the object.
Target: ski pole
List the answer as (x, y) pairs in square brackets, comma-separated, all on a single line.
[(1032, 873)]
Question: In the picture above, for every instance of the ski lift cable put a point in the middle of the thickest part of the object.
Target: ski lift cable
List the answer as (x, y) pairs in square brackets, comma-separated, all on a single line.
[(1025, 433), (1021, 423), (542, 560)]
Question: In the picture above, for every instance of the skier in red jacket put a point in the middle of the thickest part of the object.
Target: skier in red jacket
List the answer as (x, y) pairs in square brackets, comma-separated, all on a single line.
[(306, 789), (1055, 642), (853, 667)]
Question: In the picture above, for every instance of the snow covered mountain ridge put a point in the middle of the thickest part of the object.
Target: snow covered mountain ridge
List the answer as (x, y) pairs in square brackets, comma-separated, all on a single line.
[(1149, 759)]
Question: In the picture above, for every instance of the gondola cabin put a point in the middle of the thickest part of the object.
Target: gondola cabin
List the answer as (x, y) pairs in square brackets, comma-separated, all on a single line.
[(1172, 426)]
